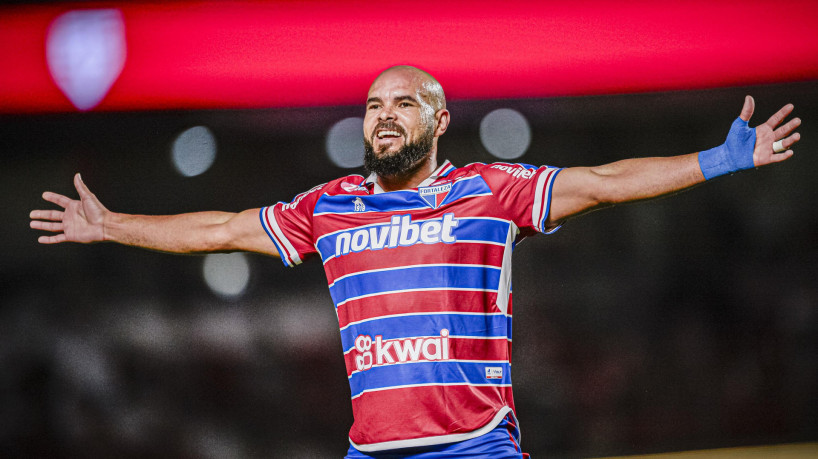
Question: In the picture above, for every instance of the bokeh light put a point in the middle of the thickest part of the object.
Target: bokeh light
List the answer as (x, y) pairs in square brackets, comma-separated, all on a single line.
[(194, 151), (85, 52), (505, 133), (226, 274), (345, 146)]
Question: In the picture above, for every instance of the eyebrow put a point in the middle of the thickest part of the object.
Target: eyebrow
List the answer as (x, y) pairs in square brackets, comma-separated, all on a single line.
[(396, 99)]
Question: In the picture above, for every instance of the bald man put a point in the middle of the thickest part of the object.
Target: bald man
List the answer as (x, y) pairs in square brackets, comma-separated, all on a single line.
[(418, 258)]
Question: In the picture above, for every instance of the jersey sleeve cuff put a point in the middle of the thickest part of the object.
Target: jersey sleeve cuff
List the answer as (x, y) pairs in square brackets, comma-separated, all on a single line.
[(285, 249), (542, 199)]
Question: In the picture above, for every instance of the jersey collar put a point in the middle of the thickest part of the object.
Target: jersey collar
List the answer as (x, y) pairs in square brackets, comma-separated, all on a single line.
[(442, 171)]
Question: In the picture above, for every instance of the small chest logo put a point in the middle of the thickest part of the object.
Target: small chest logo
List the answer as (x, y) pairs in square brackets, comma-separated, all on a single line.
[(434, 195), (359, 205), (494, 372)]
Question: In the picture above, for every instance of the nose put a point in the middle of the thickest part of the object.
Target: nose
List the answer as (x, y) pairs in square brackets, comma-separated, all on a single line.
[(386, 113)]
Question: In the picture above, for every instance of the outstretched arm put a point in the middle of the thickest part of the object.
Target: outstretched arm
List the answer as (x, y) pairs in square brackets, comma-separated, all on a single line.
[(583, 189), (87, 220)]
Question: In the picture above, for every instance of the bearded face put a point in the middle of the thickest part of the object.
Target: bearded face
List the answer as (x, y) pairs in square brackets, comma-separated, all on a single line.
[(402, 162)]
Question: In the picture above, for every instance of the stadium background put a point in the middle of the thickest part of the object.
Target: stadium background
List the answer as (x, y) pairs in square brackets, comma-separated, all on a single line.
[(683, 323)]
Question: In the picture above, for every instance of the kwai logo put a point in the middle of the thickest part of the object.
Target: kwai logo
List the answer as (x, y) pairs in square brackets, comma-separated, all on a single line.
[(400, 231), (400, 350)]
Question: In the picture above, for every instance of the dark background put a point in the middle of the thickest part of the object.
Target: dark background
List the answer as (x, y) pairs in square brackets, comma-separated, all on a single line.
[(682, 323)]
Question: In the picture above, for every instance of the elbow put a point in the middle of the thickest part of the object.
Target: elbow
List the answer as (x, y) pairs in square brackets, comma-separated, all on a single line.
[(605, 191)]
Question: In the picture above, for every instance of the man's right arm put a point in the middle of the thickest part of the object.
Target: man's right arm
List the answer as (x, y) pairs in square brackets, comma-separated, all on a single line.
[(87, 220)]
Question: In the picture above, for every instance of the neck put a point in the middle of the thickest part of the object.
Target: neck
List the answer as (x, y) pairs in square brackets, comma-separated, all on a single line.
[(412, 178)]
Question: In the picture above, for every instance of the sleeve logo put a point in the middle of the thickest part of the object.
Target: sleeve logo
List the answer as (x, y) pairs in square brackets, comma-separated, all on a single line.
[(517, 171)]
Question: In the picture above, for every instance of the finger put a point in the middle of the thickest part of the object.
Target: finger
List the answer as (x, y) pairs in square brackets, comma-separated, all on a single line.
[(51, 239), (47, 226), (82, 189), (748, 108), (790, 141), (54, 215), (57, 199), (778, 157), (786, 129), (779, 116)]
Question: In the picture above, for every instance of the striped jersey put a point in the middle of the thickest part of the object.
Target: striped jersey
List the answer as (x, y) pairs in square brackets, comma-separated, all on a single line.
[(421, 281)]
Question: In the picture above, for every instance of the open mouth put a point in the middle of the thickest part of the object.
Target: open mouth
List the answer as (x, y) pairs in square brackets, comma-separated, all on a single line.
[(387, 134), (386, 131)]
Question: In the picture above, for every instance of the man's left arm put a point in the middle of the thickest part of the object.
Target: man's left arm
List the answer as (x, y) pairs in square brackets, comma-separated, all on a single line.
[(579, 190)]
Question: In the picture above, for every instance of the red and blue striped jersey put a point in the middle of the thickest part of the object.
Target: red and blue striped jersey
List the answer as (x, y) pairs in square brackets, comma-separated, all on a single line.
[(421, 281)]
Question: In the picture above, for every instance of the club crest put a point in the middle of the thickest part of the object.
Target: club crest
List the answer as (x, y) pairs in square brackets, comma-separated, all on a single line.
[(434, 195)]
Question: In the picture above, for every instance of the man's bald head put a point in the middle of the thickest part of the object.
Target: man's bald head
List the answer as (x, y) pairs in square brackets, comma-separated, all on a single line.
[(428, 87)]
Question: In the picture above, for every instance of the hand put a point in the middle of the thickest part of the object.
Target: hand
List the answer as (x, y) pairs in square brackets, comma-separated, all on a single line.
[(80, 221), (767, 133)]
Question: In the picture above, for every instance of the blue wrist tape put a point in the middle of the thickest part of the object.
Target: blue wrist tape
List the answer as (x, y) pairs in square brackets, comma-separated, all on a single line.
[(735, 154)]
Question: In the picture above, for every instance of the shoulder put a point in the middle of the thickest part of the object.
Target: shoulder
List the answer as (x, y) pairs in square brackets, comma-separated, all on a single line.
[(343, 185), (305, 201), (349, 184)]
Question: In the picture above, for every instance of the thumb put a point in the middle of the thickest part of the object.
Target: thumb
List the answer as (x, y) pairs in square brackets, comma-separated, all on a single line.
[(748, 108), (81, 188)]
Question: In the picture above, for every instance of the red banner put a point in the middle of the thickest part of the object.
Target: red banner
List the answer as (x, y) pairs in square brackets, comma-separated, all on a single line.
[(197, 55)]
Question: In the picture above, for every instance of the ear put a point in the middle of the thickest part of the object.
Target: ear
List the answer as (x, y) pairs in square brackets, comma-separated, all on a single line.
[(441, 121)]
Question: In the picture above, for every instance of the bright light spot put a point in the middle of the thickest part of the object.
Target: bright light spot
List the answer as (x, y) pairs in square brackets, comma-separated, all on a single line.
[(194, 151), (505, 133), (345, 145), (226, 274), (85, 51)]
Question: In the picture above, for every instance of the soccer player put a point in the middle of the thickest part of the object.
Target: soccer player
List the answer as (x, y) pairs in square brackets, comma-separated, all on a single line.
[(418, 258)]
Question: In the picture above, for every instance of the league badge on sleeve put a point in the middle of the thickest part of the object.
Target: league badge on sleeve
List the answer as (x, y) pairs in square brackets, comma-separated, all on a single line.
[(434, 195)]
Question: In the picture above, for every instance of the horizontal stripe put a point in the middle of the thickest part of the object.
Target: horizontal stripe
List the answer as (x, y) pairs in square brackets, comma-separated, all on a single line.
[(419, 301), (406, 278), (460, 349), (467, 187), (435, 372), (468, 229), (398, 201), (487, 254), (398, 268), (462, 346), (428, 385), (401, 292), (500, 340), (408, 325), (487, 362)]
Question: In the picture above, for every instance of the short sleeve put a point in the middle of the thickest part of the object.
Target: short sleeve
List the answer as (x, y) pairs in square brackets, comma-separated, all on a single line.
[(524, 192), (290, 226)]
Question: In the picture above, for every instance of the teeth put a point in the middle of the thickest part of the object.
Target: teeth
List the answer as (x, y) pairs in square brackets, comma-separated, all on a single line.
[(383, 134)]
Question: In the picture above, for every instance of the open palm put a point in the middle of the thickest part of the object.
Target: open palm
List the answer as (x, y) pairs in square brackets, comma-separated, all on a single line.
[(80, 220)]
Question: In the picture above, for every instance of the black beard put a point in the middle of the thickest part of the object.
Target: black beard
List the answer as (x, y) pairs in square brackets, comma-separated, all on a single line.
[(403, 162)]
